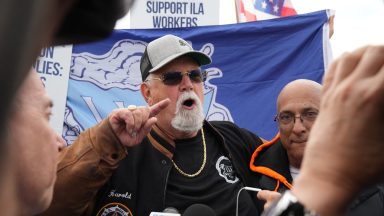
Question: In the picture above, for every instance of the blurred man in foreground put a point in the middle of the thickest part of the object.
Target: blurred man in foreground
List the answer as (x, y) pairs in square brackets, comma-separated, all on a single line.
[(34, 146), (28, 26), (25, 28)]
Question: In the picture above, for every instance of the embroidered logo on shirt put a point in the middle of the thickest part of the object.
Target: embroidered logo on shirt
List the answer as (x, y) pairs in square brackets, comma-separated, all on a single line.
[(225, 169), (114, 209)]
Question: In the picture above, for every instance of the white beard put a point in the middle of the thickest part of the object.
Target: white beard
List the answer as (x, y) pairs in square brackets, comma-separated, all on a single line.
[(188, 120)]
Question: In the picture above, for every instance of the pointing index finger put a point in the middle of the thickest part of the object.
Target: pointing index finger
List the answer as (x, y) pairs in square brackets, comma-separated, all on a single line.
[(158, 107)]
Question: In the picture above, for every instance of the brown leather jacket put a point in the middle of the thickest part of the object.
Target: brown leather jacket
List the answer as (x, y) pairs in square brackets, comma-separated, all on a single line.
[(96, 158)]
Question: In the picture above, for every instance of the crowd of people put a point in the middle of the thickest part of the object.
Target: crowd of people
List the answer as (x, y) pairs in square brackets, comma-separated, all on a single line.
[(326, 160)]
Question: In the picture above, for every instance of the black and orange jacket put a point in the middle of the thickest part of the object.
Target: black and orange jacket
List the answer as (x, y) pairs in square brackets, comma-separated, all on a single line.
[(270, 160)]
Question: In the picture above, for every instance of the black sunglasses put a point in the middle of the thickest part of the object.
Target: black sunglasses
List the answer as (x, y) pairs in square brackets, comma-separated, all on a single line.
[(175, 77)]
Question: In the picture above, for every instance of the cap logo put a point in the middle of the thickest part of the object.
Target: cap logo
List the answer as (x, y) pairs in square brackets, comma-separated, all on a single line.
[(182, 43)]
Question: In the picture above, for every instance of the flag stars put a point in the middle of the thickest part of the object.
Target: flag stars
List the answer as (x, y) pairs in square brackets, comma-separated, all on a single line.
[(276, 8), (264, 5), (271, 1)]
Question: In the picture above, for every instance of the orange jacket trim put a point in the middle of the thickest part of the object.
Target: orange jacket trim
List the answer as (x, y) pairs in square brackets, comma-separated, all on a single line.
[(265, 170)]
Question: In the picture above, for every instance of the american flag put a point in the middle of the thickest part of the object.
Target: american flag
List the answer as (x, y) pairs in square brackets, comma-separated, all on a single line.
[(252, 10)]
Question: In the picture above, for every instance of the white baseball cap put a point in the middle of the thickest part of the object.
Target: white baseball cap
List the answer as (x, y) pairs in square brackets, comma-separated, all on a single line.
[(165, 49)]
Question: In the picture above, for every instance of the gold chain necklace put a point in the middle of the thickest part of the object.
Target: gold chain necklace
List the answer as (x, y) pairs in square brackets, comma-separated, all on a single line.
[(202, 165)]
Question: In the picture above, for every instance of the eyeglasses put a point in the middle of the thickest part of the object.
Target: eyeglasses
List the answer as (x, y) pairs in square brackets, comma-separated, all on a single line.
[(175, 77), (287, 118)]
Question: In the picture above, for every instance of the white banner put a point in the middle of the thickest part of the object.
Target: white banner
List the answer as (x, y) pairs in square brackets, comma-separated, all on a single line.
[(52, 66), (174, 13)]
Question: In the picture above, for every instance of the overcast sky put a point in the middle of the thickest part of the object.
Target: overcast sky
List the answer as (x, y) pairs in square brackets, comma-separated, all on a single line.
[(357, 22)]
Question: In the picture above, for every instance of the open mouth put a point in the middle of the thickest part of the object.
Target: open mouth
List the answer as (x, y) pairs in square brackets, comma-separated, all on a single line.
[(189, 103)]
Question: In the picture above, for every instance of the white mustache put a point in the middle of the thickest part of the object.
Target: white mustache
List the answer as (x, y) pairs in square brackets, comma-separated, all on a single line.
[(188, 120), (185, 96)]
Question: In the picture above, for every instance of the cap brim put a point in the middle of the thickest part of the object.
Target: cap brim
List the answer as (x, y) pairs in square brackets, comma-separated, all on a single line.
[(200, 57)]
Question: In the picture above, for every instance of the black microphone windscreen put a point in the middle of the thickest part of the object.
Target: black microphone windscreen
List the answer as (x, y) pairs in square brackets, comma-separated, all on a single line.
[(199, 210)]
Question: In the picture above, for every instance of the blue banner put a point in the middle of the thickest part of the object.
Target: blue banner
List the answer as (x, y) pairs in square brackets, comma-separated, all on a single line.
[(251, 63)]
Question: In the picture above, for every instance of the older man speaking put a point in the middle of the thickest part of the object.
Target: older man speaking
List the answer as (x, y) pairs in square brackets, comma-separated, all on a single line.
[(144, 159)]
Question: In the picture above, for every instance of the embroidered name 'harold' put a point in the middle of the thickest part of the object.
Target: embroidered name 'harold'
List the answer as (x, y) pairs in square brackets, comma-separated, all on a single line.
[(125, 195)]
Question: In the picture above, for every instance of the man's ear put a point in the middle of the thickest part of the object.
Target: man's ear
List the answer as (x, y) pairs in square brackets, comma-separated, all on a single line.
[(146, 92)]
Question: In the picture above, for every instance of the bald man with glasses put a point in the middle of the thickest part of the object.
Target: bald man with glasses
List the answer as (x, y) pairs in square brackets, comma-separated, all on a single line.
[(278, 162)]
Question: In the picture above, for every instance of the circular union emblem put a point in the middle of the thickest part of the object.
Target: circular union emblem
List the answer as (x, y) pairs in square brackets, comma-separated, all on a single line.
[(225, 169), (114, 209)]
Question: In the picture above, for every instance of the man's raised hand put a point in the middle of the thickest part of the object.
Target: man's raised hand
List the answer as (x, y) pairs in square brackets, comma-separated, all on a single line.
[(131, 125)]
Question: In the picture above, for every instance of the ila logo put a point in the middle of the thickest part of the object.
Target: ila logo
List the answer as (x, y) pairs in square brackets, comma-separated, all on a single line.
[(225, 169)]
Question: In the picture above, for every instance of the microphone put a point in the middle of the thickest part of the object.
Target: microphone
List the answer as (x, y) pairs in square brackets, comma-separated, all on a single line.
[(199, 210), (169, 211), (238, 193)]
